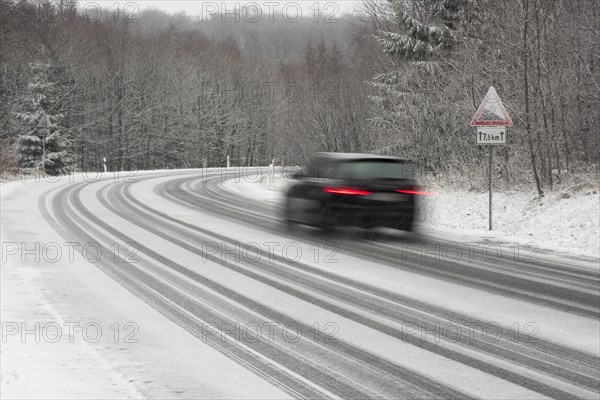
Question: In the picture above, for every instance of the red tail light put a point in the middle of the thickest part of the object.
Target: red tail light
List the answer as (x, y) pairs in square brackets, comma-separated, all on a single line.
[(416, 192), (349, 191)]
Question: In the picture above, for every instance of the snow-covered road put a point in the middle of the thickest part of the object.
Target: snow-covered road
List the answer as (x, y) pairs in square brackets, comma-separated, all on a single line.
[(202, 293)]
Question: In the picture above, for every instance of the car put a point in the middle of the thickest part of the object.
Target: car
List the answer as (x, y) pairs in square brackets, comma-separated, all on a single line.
[(361, 190)]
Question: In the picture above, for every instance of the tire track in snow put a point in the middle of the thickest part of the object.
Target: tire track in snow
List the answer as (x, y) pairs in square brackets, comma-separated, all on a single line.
[(171, 302), (547, 357), (478, 274), (301, 284)]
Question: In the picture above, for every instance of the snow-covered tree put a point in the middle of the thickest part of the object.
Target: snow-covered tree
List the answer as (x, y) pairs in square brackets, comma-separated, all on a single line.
[(35, 148), (425, 29), (29, 150), (420, 37), (58, 160)]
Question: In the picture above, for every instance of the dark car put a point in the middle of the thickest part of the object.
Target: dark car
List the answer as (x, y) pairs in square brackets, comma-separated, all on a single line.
[(364, 190)]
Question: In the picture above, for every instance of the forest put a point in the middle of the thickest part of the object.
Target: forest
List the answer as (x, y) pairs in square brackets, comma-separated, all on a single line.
[(151, 90)]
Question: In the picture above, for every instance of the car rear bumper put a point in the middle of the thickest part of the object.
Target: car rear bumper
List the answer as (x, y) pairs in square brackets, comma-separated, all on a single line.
[(391, 216)]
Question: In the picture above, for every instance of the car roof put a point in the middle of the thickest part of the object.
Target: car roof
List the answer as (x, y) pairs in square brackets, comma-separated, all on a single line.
[(358, 156)]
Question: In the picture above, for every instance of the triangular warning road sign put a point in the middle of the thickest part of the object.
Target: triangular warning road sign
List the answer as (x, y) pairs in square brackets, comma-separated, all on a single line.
[(491, 112)]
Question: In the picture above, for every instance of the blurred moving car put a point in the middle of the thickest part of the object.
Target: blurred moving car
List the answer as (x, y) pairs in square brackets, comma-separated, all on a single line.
[(363, 190)]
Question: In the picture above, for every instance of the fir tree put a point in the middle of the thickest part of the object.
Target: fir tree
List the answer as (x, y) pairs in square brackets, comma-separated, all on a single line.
[(427, 31), (322, 57), (425, 36), (335, 59), (310, 59), (29, 150), (58, 159), (39, 149), (418, 39)]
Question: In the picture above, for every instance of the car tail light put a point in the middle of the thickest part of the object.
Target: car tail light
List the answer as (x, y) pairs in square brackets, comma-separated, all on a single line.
[(414, 191), (348, 191)]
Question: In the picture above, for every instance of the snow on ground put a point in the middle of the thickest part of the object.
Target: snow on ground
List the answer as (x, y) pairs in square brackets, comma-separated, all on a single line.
[(567, 224), (35, 363), (563, 224), (261, 188)]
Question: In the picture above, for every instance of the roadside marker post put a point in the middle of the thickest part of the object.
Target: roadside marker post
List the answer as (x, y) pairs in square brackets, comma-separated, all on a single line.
[(43, 128), (491, 120)]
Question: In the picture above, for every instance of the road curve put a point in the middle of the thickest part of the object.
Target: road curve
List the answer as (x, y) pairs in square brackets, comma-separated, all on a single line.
[(354, 328)]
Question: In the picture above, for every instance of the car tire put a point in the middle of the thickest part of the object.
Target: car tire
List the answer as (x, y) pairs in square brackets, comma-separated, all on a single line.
[(287, 216), (318, 219)]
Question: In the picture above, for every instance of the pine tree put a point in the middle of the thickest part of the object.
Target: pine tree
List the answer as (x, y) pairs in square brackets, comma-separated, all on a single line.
[(29, 150), (58, 160), (42, 96), (428, 30), (322, 57), (310, 59), (335, 59), (426, 34), (425, 28)]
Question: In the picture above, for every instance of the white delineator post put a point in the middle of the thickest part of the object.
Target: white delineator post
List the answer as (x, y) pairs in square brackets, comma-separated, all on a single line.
[(271, 176), (491, 120), (44, 127)]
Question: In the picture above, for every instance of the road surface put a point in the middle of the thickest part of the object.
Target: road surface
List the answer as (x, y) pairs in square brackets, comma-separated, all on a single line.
[(346, 315)]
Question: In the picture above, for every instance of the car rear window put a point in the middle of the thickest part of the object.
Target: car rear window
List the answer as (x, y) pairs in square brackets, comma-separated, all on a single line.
[(368, 169), (375, 169)]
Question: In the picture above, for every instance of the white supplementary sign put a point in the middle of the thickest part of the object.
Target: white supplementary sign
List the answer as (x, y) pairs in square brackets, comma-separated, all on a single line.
[(491, 135)]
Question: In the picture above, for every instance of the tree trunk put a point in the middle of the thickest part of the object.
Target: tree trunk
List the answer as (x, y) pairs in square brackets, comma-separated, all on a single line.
[(538, 184)]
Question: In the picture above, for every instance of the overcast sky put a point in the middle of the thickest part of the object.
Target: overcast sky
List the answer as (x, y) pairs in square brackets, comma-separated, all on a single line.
[(199, 7)]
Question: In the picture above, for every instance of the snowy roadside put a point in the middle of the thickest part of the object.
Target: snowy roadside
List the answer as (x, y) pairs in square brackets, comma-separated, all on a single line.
[(555, 224), (41, 353), (39, 356)]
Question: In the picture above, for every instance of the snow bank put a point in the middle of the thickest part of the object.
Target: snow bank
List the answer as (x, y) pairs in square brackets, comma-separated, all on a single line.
[(262, 188), (554, 221)]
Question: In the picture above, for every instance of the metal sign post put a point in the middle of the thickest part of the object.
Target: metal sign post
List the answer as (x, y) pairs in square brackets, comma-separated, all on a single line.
[(491, 120), (490, 184)]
